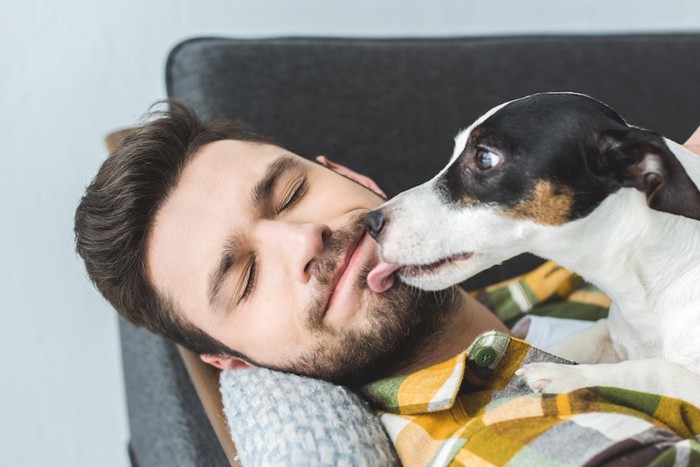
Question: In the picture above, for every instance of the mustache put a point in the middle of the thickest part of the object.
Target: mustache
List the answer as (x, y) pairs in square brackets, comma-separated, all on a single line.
[(336, 245)]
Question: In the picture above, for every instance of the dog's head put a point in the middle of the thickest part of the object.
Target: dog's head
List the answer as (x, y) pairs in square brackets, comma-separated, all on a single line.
[(543, 160)]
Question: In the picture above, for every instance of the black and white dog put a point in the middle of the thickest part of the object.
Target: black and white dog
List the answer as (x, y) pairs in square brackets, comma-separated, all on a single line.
[(563, 176)]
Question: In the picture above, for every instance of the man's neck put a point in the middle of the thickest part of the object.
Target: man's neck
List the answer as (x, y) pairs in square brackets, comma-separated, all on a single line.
[(470, 319)]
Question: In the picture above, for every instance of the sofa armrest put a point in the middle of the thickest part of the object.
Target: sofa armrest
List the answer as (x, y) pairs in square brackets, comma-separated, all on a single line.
[(205, 379)]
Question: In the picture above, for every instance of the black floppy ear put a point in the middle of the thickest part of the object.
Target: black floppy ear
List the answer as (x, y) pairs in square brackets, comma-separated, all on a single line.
[(640, 159)]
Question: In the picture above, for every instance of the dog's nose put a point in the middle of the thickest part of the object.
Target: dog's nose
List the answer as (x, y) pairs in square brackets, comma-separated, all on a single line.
[(374, 223)]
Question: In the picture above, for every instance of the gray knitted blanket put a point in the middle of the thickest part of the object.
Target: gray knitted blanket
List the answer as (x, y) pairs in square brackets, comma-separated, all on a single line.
[(282, 419)]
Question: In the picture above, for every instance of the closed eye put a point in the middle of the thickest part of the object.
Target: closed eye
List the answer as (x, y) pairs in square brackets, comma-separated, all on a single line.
[(298, 193), (250, 279)]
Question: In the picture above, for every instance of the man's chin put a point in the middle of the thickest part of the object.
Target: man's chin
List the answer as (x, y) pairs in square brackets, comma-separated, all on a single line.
[(400, 326)]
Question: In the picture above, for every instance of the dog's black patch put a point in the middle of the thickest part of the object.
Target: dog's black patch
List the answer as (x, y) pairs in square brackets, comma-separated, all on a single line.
[(550, 148)]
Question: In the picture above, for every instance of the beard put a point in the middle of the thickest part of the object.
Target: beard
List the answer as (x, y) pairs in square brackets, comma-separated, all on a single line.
[(401, 324)]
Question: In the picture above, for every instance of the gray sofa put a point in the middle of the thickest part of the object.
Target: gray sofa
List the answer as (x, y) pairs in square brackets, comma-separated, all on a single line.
[(390, 108)]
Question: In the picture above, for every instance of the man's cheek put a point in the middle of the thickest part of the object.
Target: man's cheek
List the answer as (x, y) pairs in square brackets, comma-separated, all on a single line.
[(276, 339)]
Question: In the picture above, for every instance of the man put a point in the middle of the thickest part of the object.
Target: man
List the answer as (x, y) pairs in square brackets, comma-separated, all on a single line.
[(248, 254)]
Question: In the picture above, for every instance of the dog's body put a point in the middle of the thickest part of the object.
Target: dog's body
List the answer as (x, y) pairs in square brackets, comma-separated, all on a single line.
[(562, 176)]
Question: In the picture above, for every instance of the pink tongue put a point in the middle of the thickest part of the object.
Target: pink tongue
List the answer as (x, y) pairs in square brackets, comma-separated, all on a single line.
[(381, 278)]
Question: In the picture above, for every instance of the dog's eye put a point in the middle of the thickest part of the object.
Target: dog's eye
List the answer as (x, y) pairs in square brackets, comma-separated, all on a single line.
[(486, 159)]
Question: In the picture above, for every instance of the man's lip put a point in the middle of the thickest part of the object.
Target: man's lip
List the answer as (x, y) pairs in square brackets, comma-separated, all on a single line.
[(352, 248)]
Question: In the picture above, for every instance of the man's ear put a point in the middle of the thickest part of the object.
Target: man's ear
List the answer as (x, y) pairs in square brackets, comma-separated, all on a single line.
[(693, 142), (351, 174), (641, 159), (225, 362)]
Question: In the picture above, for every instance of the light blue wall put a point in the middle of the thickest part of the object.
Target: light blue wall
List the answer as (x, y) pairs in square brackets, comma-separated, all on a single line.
[(72, 71)]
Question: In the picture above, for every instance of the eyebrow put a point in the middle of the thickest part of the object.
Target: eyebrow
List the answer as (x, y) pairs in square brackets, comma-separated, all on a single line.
[(260, 194)]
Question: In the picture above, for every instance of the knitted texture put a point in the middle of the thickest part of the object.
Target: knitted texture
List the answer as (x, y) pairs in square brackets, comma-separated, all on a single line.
[(282, 419)]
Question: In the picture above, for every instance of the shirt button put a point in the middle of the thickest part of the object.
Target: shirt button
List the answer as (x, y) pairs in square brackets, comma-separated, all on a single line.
[(485, 356)]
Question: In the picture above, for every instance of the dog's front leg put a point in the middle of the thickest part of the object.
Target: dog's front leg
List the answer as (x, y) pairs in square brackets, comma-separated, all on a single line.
[(590, 345), (651, 375)]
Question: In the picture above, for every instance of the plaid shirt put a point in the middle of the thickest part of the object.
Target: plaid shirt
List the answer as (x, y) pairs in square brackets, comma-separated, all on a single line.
[(473, 410)]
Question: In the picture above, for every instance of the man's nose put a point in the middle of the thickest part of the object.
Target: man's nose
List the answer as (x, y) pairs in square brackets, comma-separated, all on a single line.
[(298, 246), (375, 222)]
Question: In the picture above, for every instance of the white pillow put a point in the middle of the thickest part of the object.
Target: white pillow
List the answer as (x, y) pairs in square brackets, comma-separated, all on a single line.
[(282, 419)]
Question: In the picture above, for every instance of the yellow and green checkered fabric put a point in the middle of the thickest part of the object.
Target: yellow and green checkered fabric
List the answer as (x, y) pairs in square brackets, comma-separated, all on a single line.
[(549, 290), (472, 410)]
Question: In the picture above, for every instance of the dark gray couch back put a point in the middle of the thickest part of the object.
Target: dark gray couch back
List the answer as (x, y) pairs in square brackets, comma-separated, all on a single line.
[(393, 107)]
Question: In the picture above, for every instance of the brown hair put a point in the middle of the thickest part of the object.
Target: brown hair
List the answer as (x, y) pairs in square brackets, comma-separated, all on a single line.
[(114, 218)]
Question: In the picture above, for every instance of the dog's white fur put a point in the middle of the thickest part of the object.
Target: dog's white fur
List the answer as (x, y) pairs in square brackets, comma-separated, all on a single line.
[(654, 324)]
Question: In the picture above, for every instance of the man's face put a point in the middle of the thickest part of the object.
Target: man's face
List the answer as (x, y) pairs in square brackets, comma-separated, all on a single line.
[(266, 252)]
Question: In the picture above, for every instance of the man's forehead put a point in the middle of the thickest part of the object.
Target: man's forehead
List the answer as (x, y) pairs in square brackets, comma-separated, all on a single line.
[(229, 152)]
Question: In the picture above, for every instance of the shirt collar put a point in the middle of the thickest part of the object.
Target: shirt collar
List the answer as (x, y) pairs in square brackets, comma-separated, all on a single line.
[(436, 387)]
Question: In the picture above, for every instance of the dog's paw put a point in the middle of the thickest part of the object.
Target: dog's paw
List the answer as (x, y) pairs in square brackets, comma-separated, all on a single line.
[(553, 378)]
